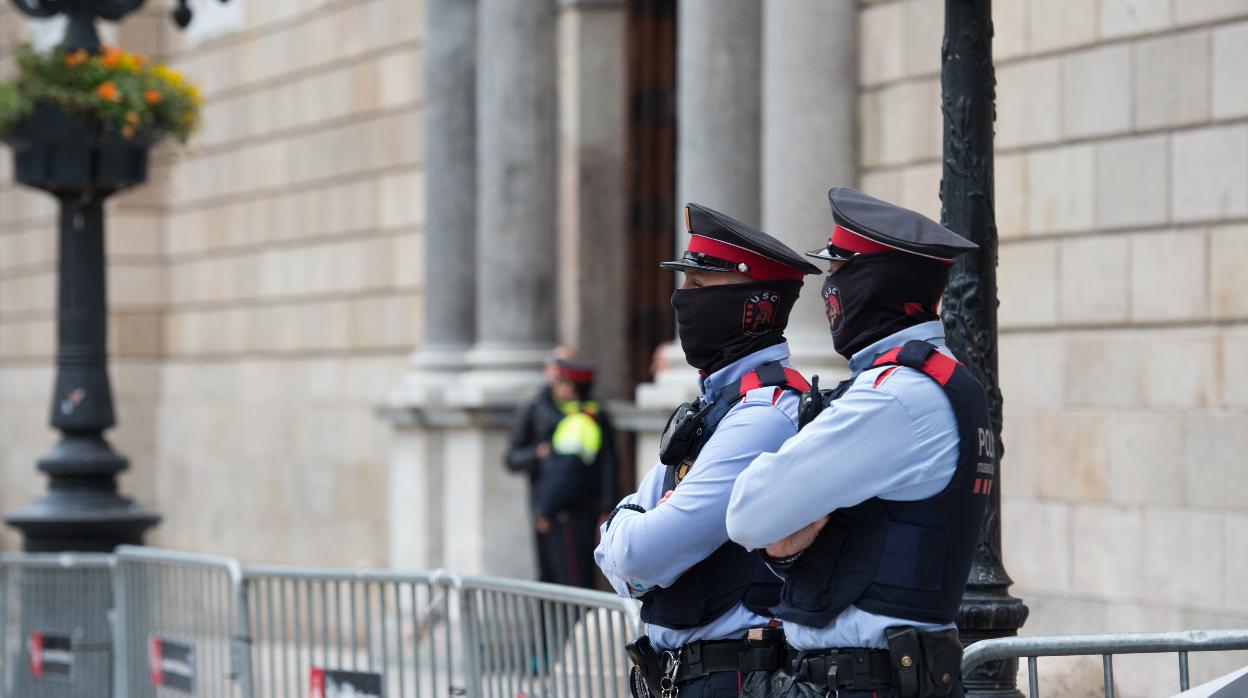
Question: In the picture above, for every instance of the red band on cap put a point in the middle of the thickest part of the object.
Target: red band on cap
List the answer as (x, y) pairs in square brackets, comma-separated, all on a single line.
[(576, 375), (760, 268), (847, 239)]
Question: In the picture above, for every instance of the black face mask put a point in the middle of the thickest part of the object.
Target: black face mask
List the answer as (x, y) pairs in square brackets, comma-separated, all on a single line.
[(874, 295), (720, 324)]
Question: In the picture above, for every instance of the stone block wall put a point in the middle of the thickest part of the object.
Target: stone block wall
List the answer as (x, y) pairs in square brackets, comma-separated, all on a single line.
[(1121, 199), (265, 287)]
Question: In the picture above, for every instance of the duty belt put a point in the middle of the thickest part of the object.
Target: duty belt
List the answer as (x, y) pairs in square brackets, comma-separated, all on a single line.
[(700, 659), (854, 669)]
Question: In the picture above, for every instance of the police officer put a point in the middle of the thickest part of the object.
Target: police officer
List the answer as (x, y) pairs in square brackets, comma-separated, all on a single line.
[(528, 450), (704, 598), (575, 483), (873, 511)]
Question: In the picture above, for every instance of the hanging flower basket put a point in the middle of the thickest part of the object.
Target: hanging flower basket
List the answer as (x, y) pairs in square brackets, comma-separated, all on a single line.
[(54, 151), (79, 121)]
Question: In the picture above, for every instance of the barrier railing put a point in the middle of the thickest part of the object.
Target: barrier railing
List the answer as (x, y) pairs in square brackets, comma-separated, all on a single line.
[(178, 621), (530, 638), (57, 640), (153, 623), (1107, 645), (314, 629)]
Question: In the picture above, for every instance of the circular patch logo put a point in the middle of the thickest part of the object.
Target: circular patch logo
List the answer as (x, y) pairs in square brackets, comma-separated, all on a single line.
[(832, 307), (760, 313)]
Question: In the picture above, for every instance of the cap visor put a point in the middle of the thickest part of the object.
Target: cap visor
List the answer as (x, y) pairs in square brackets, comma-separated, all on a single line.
[(682, 265), (825, 255)]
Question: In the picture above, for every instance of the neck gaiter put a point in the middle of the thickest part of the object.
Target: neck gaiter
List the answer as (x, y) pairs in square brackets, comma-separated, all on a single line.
[(720, 324), (874, 295)]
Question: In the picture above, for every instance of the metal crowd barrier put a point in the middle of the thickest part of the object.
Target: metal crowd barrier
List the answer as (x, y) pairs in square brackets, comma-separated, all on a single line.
[(1107, 645), (535, 639), (379, 631), (178, 619), (54, 611)]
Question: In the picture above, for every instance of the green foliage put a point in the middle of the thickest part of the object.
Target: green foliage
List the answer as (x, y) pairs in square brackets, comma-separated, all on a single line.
[(113, 91)]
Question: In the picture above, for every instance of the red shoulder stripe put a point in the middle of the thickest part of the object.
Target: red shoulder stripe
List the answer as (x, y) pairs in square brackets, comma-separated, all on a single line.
[(937, 365), (750, 381), (796, 380)]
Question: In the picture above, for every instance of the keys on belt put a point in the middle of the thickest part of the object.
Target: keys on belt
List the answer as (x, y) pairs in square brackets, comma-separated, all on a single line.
[(663, 671)]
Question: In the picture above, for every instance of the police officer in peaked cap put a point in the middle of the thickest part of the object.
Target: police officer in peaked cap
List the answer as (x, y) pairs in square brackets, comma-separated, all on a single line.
[(871, 514), (705, 599)]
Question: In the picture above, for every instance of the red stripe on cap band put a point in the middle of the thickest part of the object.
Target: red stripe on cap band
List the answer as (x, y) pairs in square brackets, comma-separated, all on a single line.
[(577, 375), (847, 239), (760, 268)]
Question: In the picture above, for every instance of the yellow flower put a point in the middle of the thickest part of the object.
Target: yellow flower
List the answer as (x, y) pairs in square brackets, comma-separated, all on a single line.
[(132, 118), (128, 62), (127, 132), (168, 74), (192, 93)]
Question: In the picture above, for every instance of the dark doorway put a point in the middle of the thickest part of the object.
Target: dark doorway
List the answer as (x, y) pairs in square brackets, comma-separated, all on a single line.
[(651, 180)]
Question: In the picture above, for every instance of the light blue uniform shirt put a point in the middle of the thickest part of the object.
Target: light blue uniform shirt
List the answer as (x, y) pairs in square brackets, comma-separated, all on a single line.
[(897, 440), (642, 551)]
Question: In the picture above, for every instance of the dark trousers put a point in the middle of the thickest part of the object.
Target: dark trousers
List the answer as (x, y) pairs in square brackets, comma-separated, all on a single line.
[(725, 684), (781, 685), (566, 554)]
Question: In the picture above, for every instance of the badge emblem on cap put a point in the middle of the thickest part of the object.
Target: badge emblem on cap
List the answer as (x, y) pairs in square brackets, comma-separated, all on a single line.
[(832, 306), (760, 313)]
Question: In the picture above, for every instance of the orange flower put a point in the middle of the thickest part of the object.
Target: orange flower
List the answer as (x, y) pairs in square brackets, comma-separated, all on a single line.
[(152, 97), (108, 91), (127, 132), (76, 58), (111, 57)]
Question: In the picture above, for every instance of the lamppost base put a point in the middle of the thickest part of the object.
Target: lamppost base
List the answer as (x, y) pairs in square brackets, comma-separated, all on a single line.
[(988, 613), (82, 511), (81, 521)]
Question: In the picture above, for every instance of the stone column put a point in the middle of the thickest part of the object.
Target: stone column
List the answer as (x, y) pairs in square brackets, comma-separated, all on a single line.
[(450, 181), (489, 531), (419, 451), (719, 52), (592, 112), (516, 129), (809, 139)]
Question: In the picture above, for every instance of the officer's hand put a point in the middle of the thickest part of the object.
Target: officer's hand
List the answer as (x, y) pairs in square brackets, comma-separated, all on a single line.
[(798, 541), (543, 525), (666, 496), (543, 450)]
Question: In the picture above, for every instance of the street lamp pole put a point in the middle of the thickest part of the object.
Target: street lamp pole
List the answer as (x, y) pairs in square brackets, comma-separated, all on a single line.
[(970, 305), (82, 509)]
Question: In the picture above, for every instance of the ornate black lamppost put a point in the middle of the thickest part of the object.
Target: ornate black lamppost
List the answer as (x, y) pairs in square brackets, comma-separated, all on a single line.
[(81, 167), (970, 304)]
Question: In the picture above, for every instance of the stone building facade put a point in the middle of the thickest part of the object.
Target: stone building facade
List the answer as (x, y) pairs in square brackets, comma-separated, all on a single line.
[(322, 313)]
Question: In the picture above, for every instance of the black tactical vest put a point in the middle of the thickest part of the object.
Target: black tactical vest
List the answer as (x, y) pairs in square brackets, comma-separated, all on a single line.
[(904, 559), (731, 574)]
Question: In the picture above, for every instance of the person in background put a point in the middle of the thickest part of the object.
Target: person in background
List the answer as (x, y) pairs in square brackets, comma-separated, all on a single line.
[(575, 483), (530, 444)]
